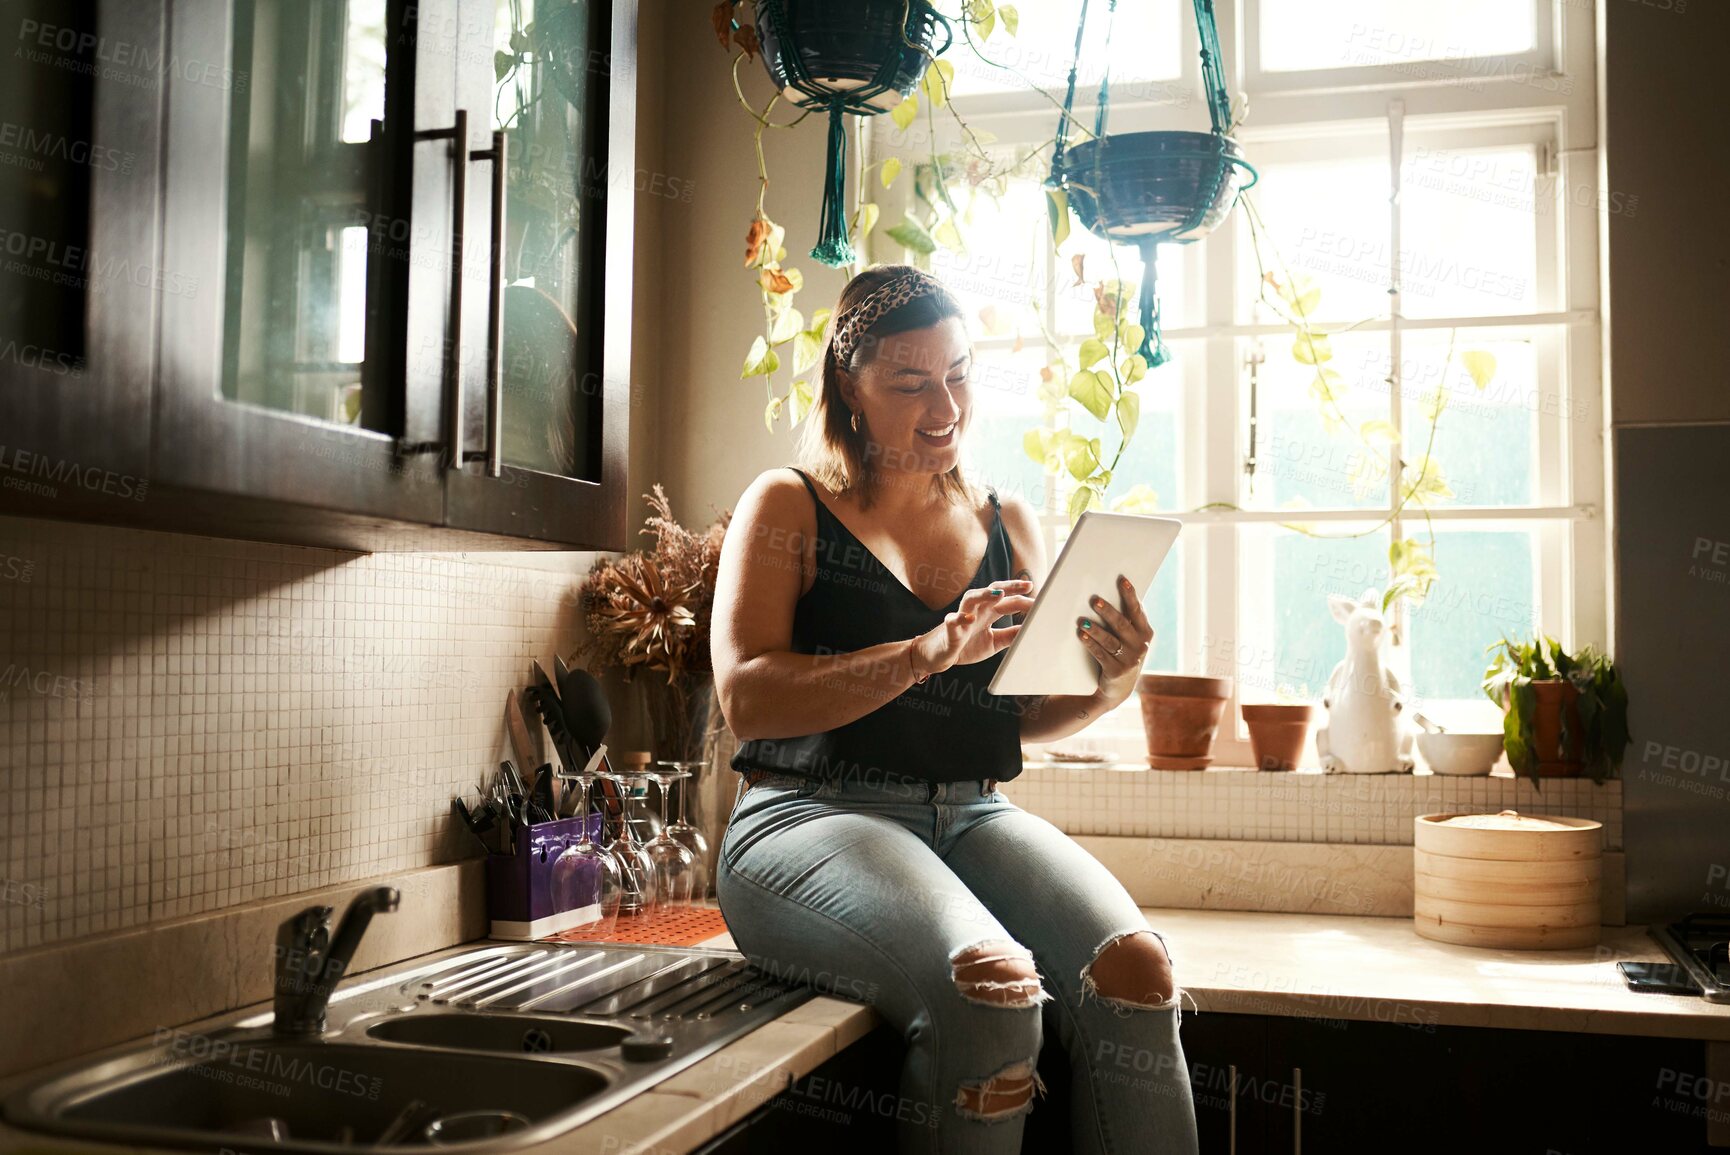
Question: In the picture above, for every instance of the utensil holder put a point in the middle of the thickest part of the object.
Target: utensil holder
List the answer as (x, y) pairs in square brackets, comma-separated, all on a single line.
[(520, 902)]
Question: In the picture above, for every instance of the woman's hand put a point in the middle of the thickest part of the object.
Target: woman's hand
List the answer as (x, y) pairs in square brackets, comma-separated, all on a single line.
[(967, 635), (1118, 639)]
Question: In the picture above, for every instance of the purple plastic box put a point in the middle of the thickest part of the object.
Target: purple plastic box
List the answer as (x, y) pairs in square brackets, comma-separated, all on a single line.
[(519, 887)]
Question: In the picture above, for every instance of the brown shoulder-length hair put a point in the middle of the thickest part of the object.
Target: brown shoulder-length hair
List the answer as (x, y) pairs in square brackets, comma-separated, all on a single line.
[(828, 448)]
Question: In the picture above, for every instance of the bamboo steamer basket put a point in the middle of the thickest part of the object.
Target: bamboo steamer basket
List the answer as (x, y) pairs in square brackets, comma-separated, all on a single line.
[(1510, 881)]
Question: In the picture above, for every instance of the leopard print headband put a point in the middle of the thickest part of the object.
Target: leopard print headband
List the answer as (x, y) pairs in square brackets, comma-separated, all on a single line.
[(883, 299)]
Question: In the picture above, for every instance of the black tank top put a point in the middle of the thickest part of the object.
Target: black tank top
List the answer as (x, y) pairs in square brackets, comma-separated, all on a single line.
[(949, 729)]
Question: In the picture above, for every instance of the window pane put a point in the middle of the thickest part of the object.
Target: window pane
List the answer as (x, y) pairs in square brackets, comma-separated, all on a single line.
[(1288, 641), (1144, 44), (1469, 236), (1486, 441), (1004, 386), (1325, 220), (1302, 35), (1303, 461), (1153, 457), (1002, 268), (1488, 589)]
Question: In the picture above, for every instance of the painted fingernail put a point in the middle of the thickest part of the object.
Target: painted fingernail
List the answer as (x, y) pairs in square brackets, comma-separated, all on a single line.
[(1098, 602), (1085, 624), (1122, 581), (996, 593)]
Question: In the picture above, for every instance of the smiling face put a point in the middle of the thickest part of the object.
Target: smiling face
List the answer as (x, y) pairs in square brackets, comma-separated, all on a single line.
[(913, 398)]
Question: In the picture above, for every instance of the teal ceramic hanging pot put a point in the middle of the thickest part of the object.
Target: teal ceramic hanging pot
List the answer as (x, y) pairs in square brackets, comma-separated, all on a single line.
[(858, 56), (1153, 188)]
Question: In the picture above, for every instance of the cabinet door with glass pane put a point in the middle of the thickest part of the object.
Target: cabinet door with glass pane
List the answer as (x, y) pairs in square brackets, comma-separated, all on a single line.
[(546, 286), (308, 186), (79, 268)]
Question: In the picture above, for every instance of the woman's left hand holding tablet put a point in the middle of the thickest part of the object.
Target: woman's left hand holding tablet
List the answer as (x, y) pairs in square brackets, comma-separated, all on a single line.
[(1118, 637)]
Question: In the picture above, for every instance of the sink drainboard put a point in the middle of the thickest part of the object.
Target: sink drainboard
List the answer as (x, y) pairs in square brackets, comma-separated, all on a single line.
[(584, 1027)]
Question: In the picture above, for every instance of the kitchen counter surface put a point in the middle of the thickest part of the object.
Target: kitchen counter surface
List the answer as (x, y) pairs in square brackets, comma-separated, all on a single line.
[(1327, 966)]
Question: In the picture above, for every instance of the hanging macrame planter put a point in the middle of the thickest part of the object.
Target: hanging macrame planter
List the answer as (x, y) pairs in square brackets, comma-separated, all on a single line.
[(1152, 188), (857, 56)]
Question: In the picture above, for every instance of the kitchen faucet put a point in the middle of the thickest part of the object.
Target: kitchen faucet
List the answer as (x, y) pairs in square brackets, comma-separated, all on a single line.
[(309, 962)]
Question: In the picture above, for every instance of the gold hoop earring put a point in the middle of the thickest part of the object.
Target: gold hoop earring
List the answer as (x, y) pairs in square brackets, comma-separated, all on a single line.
[(855, 421)]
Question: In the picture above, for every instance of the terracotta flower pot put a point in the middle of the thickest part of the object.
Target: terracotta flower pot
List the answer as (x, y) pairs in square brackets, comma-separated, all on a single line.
[(1553, 696), (1181, 715), (1277, 733)]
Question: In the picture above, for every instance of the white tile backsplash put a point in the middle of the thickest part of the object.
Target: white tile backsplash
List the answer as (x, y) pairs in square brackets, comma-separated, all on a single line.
[(187, 724)]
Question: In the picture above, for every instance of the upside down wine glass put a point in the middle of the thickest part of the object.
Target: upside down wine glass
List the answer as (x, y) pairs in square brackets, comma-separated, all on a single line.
[(687, 834), (585, 874), (636, 869), (675, 865)]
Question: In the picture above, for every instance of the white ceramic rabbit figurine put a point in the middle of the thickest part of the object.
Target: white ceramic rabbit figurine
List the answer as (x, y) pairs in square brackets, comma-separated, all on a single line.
[(1364, 732)]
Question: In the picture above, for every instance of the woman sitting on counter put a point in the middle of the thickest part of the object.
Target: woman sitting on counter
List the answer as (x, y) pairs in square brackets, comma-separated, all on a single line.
[(869, 842)]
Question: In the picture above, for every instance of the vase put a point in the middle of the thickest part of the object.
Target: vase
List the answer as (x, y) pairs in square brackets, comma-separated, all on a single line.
[(1277, 733), (1181, 716)]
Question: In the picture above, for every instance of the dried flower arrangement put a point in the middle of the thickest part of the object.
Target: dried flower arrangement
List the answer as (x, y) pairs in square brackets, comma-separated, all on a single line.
[(650, 609)]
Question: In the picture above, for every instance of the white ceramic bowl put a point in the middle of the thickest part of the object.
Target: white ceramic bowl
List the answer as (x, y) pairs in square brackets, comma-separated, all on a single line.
[(1467, 755)]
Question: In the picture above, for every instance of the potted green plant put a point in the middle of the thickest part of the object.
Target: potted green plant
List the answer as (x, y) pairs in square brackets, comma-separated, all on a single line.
[(1565, 712)]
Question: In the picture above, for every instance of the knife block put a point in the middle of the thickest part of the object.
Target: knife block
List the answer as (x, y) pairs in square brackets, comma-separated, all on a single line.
[(520, 903)]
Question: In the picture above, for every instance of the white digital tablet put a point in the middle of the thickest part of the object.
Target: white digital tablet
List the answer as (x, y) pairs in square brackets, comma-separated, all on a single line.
[(1046, 656)]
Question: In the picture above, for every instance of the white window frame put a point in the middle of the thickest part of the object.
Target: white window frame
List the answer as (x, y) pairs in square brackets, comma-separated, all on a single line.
[(1545, 98)]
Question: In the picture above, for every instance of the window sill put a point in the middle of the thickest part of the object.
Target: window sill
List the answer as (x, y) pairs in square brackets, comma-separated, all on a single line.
[(1129, 799)]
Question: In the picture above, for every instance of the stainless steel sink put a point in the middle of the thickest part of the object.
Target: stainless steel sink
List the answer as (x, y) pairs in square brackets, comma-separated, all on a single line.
[(543, 1037)]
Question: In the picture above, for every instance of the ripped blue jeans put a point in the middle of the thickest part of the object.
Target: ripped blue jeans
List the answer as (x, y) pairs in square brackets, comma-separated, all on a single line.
[(873, 890)]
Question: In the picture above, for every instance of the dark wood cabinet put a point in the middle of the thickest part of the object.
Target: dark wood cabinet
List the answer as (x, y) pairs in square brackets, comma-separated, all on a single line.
[(1320, 1085), (362, 278)]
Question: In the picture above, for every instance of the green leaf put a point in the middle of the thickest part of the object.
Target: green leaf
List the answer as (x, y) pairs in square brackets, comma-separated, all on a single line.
[(503, 62), (1037, 443), (1053, 388), (911, 234), (1093, 390), (1423, 482), (865, 220), (902, 114), (1130, 334), (1091, 350), (1312, 348), (939, 80), (1328, 385), (987, 23), (947, 235), (1011, 17), (801, 400), (1481, 365), (807, 348), (1082, 500), (1379, 430), (1104, 325), (757, 358), (1140, 499), (1133, 369), (773, 411), (1079, 456), (1128, 413), (1057, 211), (820, 321), (891, 169), (788, 324), (1305, 304)]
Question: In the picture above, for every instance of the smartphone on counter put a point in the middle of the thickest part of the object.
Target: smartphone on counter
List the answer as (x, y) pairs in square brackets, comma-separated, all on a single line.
[(1657, 978)]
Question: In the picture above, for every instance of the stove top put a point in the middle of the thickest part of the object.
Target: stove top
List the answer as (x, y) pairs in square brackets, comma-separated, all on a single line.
[(1700, 944)]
